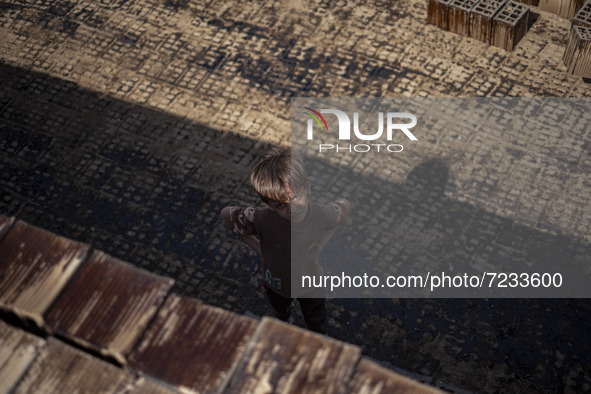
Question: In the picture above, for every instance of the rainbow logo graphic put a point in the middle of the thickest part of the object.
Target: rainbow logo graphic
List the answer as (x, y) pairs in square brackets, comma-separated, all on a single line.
[(316, 115)]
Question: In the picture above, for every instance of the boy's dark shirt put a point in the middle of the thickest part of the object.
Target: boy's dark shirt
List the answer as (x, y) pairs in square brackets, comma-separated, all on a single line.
[(275, 236)]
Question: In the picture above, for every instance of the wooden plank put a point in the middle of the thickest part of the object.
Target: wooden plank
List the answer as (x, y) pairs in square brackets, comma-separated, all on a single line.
[(5, 224), (371, 378), (193, 346), (459, 16), (18, 349), (108, 305), (510, 25), (35, 266), (62, 369), (481, 19), (283, 358), (437, 13)]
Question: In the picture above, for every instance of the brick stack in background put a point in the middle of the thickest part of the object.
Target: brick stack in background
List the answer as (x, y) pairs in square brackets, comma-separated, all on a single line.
[(577, 56), (481, 19), (500, 23), (552, 6), (459, 16), (510, 25), (583, 16), (437, 13), (564, 8)]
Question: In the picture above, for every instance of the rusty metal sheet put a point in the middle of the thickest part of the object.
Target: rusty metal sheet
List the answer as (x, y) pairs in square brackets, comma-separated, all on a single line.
[(372, 378), (35, 265), (5, 224), (283, 358), (193, 346), (108, 305), (18, 349), (63, 369)]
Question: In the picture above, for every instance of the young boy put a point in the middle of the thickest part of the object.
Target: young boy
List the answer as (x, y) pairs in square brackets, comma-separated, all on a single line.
[(289, 222)]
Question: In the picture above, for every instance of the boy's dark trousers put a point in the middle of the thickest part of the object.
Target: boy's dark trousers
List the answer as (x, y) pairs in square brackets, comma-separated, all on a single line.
[(313, 309)]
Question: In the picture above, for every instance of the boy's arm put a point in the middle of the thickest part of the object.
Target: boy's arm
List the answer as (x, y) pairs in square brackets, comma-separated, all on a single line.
[(249, 239)]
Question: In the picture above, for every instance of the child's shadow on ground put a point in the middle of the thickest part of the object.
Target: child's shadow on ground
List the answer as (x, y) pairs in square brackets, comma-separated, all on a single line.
[(415, 225), (415, 228)]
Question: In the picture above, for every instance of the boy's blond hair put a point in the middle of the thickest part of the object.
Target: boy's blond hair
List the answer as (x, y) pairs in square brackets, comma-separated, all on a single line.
[(278, 176)]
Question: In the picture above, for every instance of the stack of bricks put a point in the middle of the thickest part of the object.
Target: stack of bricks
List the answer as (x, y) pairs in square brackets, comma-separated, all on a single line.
[(459, 16), (564, 8), (481, 19), (583, 16), (510, 25), (500, 23), (577, 56), (437, 13)]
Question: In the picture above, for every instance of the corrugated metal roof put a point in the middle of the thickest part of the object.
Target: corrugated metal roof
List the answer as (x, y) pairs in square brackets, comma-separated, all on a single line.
[(62, 369), (371, 378), (35, 266), (180, 343), (145, 385), (108, 305), (193, 345), (5, 224), (56, 367), (281, 359), (18, 349)]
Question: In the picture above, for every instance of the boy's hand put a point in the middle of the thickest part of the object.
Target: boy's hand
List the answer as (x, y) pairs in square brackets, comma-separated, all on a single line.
[(344, 204), (345, 208), (249, 239)]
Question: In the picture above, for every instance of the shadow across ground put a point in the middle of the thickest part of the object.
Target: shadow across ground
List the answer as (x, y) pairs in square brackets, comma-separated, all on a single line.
[(147, 187)]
